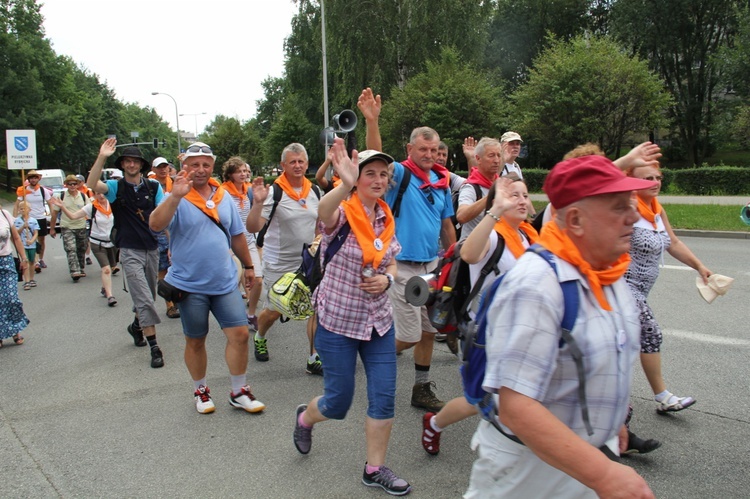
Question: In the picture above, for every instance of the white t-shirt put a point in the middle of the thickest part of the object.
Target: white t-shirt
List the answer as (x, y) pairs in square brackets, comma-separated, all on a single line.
[(511, 168), (101, 226), (291, 226), (36, 200), (468, 196)]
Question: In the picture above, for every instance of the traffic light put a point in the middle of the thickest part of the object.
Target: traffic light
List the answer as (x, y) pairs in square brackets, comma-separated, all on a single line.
[(156, 143)]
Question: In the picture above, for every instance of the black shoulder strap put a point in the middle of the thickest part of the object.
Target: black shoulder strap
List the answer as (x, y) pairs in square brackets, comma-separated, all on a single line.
[(401, 190), (276, 198), (153, 189), (316, 190), (478, 192), (337, 242), (490, 266)]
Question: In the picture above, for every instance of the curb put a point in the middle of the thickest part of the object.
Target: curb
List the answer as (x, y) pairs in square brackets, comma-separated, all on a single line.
[(716, 234)]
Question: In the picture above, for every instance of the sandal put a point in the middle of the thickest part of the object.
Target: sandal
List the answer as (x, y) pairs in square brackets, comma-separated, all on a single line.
[(18, 339), (26, 286), (173, 312), (111, 301), (32, 283), (673, 403)]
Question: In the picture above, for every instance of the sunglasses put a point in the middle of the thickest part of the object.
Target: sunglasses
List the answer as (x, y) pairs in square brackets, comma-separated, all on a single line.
[(203, 149), (72, 183), (653, 178)]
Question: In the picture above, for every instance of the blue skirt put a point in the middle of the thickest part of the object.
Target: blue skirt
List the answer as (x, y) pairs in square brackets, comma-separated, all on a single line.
[(12, 318)]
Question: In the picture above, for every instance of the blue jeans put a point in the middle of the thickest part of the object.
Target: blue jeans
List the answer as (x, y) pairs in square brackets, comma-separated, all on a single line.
[(229, 310), (339, 356)]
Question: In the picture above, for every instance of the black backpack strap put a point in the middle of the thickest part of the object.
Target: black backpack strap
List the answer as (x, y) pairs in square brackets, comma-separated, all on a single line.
[(316, 190), (490, 266), (401, 190), (276, 198), (477, 192), (336, 243)]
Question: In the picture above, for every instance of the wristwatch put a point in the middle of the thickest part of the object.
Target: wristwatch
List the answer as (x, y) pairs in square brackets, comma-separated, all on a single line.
[(390, 281)]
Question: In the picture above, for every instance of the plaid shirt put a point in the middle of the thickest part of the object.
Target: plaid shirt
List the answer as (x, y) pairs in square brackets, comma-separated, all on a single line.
[(341, 306)]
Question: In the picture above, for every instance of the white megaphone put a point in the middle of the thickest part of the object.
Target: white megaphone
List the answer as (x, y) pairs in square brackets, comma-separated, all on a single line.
[(345, 121)]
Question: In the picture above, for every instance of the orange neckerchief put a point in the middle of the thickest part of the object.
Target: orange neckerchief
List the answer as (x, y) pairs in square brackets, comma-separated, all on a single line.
[(167, 187), (649, 212), (360, 223), (237, 193), (558, 242), (336, 180), (20, 191), (301, 198), (200, 203), (513, 240), (107, 211)]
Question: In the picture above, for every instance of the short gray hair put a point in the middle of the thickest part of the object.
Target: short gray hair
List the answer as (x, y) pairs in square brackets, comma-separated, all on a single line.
[(294, 147), (483, 143), (425, 132)]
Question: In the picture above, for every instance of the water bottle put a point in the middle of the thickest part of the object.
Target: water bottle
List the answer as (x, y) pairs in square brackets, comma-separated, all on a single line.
[(442, 308)]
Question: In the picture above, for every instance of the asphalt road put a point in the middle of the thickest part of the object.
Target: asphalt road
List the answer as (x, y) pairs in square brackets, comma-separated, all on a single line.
[(83, 415)]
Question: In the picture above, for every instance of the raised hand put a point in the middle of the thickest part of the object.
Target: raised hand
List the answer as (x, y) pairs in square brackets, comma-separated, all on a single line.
[(108, 147), (369, 104), (503, 194), (644, 154), (182, 184), (260, 190), (347, 169), (470, 143)]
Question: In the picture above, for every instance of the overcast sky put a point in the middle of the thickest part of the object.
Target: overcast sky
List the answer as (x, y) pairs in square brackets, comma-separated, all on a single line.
[(210, 56)]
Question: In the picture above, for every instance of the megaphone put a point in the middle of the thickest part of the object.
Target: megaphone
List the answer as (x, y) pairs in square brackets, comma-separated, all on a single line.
[(345, 121), (326, 136)]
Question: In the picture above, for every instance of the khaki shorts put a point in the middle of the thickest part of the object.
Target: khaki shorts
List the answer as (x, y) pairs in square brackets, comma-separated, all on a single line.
[(410, 320)]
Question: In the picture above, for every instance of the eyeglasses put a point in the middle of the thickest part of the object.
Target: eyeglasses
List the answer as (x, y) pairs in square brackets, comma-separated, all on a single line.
[(652, 178), (203, 149)]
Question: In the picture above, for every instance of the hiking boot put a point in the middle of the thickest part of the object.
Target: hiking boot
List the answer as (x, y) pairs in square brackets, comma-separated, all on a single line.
[(302, 436), (88, 261), (203, 402), (137, 333), (636, 445), (430, 437), (315, 367), (246, 400), (261, 350), (423, 397), (252, 323), (157, 359), (387, 480)]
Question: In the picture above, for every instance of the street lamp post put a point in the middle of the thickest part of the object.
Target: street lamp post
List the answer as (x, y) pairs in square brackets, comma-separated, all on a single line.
[(177, 118), (195, 116)]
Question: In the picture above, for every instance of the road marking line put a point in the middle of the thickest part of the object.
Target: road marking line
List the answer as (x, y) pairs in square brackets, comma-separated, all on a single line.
[(706, 338), (677, 267)]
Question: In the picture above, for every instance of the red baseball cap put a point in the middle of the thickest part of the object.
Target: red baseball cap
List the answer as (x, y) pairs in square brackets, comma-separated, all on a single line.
[(574, 179)]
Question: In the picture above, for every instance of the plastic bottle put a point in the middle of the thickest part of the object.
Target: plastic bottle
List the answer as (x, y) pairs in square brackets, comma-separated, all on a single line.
[(443, 308)]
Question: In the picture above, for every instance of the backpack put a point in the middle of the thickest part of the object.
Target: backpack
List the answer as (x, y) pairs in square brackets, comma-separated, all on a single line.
[(454, 197), (277, 193), (475, 356), (312, 268), (454, 273)]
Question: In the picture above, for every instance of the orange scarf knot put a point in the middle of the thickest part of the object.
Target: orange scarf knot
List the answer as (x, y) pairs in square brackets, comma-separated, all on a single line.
[(649, 211), (374, 247), (300, 197), (559, 243), (210, 206), (232, 189), (513, 240)]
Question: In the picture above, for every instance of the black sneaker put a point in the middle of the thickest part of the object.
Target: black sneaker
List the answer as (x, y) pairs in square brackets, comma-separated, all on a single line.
[(88, 261), (387, 480), (302, 436), (315, 367), (261, 349), (137, 334), (423, 397), (157, 359), (636, 445)]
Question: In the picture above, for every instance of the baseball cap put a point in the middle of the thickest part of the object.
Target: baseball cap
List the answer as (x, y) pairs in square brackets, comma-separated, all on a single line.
[(509, 136), (198, 149), (370, 155), (159, 161), (577, 178)]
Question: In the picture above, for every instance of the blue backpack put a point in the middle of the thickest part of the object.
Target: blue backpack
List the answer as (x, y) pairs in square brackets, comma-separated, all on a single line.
[(475, 340)]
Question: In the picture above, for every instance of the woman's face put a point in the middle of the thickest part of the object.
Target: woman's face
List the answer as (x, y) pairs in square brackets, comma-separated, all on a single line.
[(373, 180), (240, 175), (100, 197), (649, 173), (520, 210)]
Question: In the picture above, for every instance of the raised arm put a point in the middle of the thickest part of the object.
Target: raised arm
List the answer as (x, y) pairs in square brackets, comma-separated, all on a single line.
[(320, 175), (644, 154), (477, 244), (95, 174), (59, 205), (348, 171), (369, 104), (470, 144)]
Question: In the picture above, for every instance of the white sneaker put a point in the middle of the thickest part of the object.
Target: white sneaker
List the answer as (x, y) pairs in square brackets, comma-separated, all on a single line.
[(246, 400), (203, 402)]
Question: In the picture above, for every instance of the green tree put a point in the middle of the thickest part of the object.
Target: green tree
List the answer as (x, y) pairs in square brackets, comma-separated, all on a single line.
[(454, 98), (586, 90), (679, 39)]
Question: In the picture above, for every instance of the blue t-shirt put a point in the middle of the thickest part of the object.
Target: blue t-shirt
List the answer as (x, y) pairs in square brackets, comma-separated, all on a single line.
[(201, 258), (421, 216), (26, 235), (112, 186)]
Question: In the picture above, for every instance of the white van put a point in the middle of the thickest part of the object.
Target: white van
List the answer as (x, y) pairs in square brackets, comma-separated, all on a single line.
[(52, 179)]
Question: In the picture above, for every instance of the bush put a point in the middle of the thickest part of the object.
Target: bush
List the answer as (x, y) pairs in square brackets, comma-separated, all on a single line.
[(721, 180)]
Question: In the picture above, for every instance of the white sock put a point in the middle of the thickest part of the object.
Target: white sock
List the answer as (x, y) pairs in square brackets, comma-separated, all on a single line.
[(238, 382), (313, 358), (661, 397), (198, 382)]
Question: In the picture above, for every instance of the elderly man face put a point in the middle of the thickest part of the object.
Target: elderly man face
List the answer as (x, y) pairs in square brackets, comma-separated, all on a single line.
[(490, 160), (442, 156), (514, 149), (200, 169), (423, 151), (295, 165)]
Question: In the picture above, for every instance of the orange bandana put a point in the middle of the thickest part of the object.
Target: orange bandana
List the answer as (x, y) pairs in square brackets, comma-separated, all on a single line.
[(237, 193), (107, 211), (649, 212), (21, 191), (301, 197), (167, 187), (200, 203), (513, 240), (373, 247), (558, 242)]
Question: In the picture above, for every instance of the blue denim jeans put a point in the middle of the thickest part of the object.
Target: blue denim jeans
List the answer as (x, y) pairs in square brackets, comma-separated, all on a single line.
[(339, 356), (229, 310)]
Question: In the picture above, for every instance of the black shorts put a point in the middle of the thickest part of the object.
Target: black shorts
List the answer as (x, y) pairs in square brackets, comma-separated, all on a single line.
[(43, 230)]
